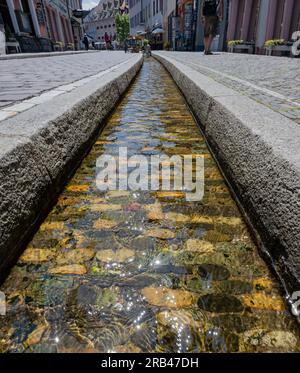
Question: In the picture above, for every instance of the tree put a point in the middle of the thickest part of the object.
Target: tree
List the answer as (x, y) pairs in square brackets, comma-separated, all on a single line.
[(122, 27)]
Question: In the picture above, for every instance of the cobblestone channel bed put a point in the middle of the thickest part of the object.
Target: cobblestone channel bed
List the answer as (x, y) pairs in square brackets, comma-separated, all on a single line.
[(145, 271)]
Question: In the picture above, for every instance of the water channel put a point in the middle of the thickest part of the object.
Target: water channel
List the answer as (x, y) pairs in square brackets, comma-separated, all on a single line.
[(123, 271)]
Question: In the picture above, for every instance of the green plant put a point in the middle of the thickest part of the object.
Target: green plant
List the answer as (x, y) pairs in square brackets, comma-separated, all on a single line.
[(273, 42), (167, 45), (8, 33), (233, 43), (122, 27)]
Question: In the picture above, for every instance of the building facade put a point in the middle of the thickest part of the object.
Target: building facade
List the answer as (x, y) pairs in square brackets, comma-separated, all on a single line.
[(170, 23), (146, 18), (40, 25), (257, 21), (253, 21), (99, 24)]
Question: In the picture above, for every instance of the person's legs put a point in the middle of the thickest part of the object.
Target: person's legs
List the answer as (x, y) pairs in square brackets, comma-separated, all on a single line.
[(210, 27), (207, 43)]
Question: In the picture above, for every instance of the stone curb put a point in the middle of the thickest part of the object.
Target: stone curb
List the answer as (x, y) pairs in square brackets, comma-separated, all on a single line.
[(17, 108), (258, 151), (41, 147), (19, 56)]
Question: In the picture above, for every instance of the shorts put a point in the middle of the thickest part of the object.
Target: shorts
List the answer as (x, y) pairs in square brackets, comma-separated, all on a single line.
[(211, 25)]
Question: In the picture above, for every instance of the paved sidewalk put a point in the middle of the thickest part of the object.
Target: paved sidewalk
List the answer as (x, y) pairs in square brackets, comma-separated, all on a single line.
[(21, 79), (17, 56), (272, 81)]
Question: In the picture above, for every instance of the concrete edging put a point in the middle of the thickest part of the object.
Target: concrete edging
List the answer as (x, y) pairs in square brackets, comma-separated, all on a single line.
[(20, 56), (258, 151), (40, 147)]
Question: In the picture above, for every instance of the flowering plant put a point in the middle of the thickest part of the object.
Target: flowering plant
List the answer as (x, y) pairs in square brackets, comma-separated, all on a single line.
[(274, 42), (233, 43)]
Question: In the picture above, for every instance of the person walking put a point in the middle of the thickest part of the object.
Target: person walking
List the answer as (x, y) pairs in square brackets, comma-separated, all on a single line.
[(212, 12), (125, 46), (86, 42)]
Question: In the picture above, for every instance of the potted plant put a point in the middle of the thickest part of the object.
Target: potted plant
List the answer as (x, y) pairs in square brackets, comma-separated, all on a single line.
[(233, 43), (240, 45), (167, 45), (279, 45)]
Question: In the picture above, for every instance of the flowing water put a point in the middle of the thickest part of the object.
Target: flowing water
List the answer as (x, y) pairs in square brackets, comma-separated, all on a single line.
[(145, 271)]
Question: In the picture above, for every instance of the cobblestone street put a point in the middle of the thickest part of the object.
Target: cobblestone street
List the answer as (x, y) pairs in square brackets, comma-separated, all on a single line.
[(21, 79), (272, 81)]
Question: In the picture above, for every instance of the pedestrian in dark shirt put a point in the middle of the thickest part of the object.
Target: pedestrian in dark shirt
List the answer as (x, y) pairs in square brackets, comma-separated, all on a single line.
[(125, 46), (212, 12), (86, 42)]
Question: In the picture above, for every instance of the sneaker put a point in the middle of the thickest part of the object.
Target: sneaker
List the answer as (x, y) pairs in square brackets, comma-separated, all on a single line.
[(208, 53)]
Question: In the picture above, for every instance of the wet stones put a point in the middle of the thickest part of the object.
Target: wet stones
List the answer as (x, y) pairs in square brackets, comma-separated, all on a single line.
[(215, 236), (231, 221), (86, 296), (36, 336), (163, 297), (194, 284), (71, 269), (200, 246), (145, 339), (220, 303), (163, 234), (235, 287), (118, 194), (164, 258), (167, 196), (53, 225), (76, 256), (83, 295), (276, 339), (106, 207), (32, 255), (202, 220), (213, 272), (139, 282), (107, 244), (103, 224), (170, 268), (77, 188), (115, 256), (177, 218), (170, 317), (155, 215), (263, 301), (145, 244), (154, 212), (218, 340), (48, 292), (235, 322), (262, 284)]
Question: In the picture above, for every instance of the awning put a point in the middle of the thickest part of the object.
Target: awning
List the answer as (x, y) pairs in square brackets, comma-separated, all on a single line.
[(158, 31)]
